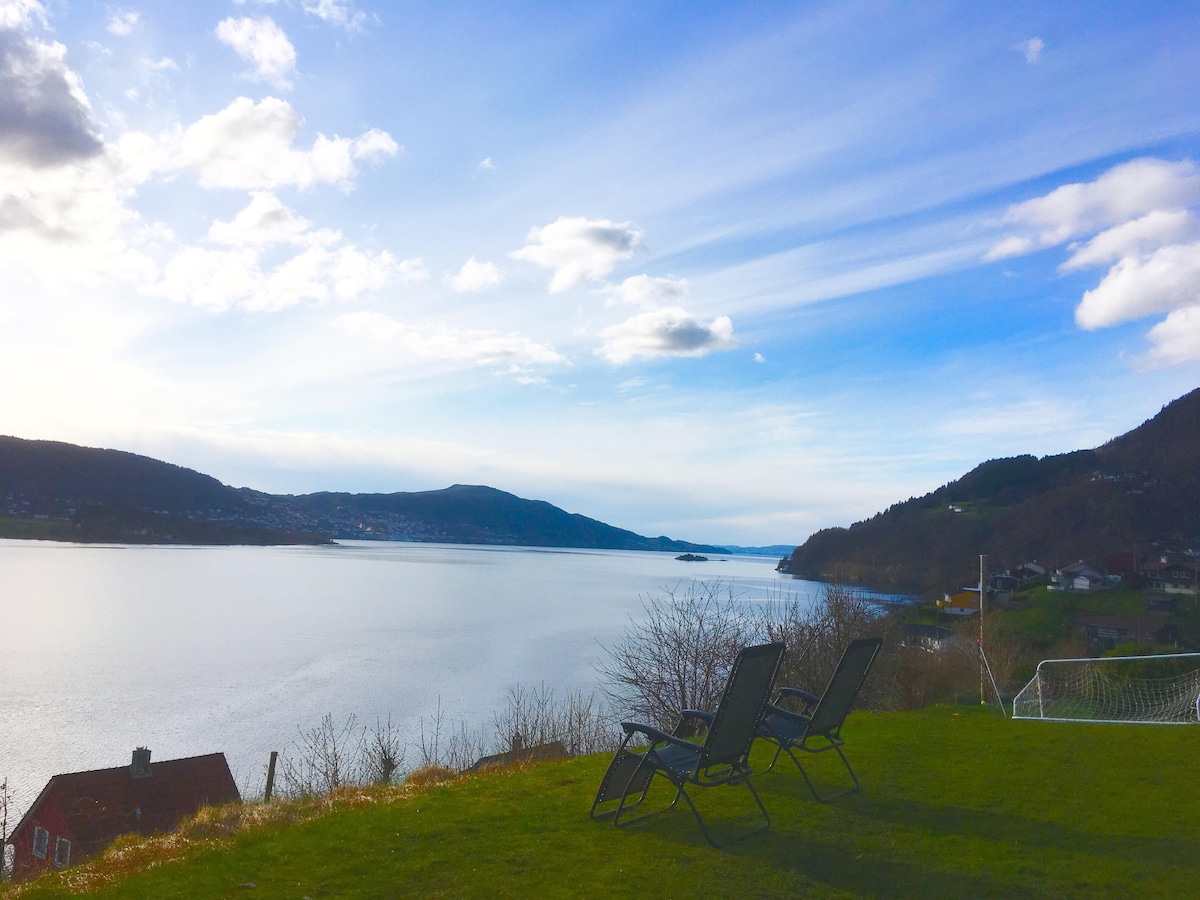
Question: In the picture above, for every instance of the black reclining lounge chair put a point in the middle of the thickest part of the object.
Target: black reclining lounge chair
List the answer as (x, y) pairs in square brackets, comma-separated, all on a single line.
[(721, 759), (821, 718)]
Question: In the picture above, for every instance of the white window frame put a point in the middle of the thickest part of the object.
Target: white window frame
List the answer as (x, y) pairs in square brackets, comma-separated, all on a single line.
[(41, 838), (62, 853)]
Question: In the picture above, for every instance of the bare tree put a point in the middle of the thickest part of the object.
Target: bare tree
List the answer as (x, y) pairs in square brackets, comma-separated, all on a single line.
[(816, 634), (677, 656)]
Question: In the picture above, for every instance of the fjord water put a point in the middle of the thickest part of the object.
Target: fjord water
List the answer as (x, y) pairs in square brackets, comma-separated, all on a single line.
[(191, 650)]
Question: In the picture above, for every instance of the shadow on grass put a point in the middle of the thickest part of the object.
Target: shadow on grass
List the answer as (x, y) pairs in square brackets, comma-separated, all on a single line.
[(1010, 829)]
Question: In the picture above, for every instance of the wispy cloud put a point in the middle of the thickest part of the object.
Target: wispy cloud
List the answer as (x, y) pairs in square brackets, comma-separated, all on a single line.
[(1031, 50)]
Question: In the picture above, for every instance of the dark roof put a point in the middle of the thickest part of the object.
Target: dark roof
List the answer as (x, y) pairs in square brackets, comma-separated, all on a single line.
[(104, 803)]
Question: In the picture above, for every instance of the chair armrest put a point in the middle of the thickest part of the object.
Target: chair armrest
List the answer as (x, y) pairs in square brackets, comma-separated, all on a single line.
[(656, 735), (809, 699), (772, 710), (682, 730)]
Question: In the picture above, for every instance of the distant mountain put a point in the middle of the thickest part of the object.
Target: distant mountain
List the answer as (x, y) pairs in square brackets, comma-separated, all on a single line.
[(61, 491), (1138, 492)]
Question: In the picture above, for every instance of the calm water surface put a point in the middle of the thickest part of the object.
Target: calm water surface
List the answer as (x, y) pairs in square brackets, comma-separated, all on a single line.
[(191, 650)]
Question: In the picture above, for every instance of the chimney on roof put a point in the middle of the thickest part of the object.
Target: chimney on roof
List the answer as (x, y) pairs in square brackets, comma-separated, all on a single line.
[(140, 767)]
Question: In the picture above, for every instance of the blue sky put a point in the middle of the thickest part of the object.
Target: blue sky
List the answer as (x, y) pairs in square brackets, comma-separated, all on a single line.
[(725, 272)]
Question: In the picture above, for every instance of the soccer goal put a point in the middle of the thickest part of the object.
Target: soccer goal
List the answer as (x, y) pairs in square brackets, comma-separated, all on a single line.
[(1143, 690)]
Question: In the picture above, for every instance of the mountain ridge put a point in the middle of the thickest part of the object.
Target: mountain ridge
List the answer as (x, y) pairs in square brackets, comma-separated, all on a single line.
[(60, 491)]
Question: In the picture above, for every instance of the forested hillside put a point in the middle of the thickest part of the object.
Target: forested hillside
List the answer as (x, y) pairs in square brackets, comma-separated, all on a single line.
[(1138, 490)]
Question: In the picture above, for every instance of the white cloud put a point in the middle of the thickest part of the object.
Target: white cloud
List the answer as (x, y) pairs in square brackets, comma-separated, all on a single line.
[(475, 276), (223, 280), (670, 331), (759, 358), (643, 290), (248, 145), (1137, 286), (487, 164), (579, 249), (1132, 238), (441, 342), (342, 13), (1124, 192), (1143, 224), (1031, 49), (45, 117), (263, 43), (121, 22), (266, 221), (1176, 339)]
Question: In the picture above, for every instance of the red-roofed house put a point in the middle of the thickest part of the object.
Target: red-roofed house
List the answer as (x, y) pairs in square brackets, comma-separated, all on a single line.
[(78, 814)]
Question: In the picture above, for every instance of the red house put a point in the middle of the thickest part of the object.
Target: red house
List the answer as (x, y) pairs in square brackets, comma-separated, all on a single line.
[(78, 814)]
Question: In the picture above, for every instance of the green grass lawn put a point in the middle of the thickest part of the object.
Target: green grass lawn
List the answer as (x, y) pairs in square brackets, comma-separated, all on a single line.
[(955, 803)]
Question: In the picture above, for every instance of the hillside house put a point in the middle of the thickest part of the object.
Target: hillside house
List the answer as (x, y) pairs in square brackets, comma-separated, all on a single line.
[(931, 638), (964, 602), (1077, 577), (1106, 632), (1030, 571), (79, 813), (1171, 577)]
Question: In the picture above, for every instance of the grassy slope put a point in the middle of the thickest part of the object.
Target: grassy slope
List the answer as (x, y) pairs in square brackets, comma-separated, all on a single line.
[(953, 805)]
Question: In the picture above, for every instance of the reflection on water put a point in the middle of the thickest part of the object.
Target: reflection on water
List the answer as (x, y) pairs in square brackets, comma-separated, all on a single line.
[(192, 650)]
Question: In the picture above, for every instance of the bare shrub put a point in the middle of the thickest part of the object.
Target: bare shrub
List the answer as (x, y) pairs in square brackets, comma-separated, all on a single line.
[(534, 717), (678, 655), (382, 753), (446, 745), (323, 759)]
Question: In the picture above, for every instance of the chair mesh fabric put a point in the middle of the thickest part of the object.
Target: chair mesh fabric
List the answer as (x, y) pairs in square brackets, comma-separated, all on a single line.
[(732, 730), (843, 687)]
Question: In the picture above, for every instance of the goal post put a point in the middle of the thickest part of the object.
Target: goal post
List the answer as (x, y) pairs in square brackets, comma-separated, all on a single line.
[(1161, 689)]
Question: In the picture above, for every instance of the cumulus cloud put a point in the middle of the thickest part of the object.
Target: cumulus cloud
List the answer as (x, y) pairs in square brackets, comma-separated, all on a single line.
[(1176, 339), (263, 43), (579, 249), (266, 221), (441, 342), (643, 290), (669, 331), (342, 13), (1121, 194), (1132, 238), (248, 145), (1031, 49), (1138, 218), (121, 22), (1138, 286), (475, 276), (45, 117), (223, 280)]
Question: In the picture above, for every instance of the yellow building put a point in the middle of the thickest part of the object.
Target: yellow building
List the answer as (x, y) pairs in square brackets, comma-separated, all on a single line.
[(960, 603)]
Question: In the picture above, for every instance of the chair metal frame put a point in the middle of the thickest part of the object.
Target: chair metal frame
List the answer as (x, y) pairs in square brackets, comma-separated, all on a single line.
[(821, 718), (722, 758)]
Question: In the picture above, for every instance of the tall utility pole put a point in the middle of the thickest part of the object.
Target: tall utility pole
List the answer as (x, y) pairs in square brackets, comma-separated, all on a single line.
[(982, 595)]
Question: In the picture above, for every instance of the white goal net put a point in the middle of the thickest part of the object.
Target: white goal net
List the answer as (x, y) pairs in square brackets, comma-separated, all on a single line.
[(1156, 690)]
